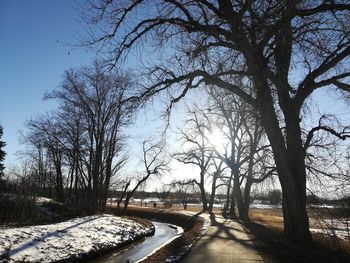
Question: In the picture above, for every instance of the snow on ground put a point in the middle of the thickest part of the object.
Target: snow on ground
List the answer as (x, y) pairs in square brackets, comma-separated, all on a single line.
[(42, 200), (342, 234), (70, 239), (265, 206), (333, 227)]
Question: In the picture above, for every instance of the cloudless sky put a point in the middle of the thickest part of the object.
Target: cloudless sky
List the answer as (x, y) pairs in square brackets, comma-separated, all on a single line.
[(36, 47), (33, 57)]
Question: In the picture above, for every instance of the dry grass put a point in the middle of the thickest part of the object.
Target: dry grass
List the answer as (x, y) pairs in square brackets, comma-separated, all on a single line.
[(177, 207), (270, 217), (267, 226)]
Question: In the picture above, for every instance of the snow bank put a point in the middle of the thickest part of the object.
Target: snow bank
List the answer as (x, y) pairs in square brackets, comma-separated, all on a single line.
[(68, 240), (259, 205)]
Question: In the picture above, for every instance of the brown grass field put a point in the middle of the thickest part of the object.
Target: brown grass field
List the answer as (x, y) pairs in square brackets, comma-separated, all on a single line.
[(267, 226)]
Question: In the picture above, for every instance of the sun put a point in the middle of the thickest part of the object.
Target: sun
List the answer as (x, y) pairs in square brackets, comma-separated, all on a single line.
[(217, 139)]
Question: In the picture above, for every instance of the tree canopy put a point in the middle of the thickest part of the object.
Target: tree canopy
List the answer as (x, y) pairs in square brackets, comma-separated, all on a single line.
[(283, 51)]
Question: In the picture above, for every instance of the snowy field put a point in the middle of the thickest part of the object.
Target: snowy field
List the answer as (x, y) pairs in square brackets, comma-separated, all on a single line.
[(72, 239)]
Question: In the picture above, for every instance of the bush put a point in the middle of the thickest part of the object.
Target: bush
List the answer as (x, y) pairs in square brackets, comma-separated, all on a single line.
[(274, 197), (17, 209)]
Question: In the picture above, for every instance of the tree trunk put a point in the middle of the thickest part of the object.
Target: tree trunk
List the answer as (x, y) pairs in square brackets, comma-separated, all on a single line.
[(123, 194), (238, 193), (76, 180), (246, 203), (89, 192), (106, 182), (202, 190), (290, 166), (71, 179), (126, 202), (130, 193), (204, 198), (212, 195), (296, 221), (232, 204), (59, 185), (227, 205), (249, 182), (57, 160), (291, 171)]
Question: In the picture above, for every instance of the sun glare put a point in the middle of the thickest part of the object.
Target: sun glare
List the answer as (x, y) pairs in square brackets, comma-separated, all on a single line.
[(217, 139)]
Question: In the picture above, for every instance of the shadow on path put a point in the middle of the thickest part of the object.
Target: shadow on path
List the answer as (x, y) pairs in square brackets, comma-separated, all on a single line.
[(225, 241)]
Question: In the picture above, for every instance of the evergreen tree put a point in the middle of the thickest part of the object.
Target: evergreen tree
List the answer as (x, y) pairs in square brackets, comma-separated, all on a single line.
[(2, 153)]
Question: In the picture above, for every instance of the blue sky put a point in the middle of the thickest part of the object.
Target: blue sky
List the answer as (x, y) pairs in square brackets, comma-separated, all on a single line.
[(34, 55), (33, 58), (36, 48)]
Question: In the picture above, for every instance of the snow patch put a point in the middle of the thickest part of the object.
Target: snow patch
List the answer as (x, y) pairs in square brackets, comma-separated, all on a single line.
[(42, 200), (332, 227), (67, 240)]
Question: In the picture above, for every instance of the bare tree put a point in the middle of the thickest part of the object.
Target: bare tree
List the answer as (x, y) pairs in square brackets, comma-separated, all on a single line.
[(262, 42), (142, 193), (184, 191), (120, 187), (154, 163), (218, 172), (45, 136), (245, 146), (99, 98), (82, 140), (41, 164), (164, 194), (198, 152)]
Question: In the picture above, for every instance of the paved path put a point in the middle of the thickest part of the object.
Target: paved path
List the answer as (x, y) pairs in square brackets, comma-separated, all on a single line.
[(225, 241)]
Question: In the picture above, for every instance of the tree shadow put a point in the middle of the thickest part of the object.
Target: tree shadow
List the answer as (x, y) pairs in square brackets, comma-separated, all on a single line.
[(227, 232), (274, 247), (41, 238)]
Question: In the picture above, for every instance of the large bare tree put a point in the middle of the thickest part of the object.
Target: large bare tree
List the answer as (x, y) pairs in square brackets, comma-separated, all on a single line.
[(286, 49)]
